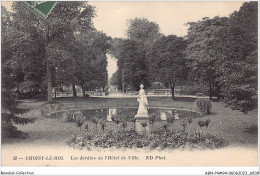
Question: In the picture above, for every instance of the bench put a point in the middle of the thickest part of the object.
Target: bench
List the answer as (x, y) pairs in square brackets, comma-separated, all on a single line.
[(98, 93), (131, 92), (159, 92), (199, 95)]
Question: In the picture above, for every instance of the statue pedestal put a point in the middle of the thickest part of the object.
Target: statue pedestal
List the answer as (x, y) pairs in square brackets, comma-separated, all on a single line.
[(163, 116), (138, 125), (109, 118), (176, 116)]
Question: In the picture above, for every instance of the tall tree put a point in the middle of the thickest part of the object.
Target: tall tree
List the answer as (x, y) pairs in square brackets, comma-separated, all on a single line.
[(223, 54), (144, 31), (168, 62), (92, 61), (10, 113), (131, 65), (132, 53), (201, 50), (237, 64), (53, 37)]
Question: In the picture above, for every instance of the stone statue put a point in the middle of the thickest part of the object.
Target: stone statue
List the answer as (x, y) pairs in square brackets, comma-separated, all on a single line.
[(143, 103)]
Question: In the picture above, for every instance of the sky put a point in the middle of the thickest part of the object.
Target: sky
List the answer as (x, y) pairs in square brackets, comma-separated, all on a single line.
[(112, 17)]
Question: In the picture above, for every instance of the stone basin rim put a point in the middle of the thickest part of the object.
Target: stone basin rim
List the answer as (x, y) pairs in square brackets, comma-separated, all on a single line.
[(153, 107)]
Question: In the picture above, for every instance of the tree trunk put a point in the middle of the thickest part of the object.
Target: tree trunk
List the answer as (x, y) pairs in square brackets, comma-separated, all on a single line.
[(49, 81), (83, 91), (123, 88), (18, 91), (55, 92), (210, 91), (74, 91), (172, 88), (218, 91), (48, 65)]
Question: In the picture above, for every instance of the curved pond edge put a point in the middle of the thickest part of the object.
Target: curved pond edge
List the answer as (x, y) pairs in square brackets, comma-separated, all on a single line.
[(103, 107)]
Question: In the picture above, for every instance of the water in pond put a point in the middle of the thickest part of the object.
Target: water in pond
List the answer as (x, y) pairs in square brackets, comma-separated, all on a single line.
[(125, 114)]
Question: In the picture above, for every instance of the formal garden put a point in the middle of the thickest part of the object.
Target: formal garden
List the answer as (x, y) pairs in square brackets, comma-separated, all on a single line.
[(205, 99), (193, 130), (154, 130)]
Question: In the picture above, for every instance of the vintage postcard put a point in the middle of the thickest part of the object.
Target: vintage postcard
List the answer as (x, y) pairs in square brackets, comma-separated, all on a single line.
[(129, 83)]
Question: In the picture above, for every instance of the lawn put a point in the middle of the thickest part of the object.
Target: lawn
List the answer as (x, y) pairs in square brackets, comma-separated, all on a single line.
[(236, 128)]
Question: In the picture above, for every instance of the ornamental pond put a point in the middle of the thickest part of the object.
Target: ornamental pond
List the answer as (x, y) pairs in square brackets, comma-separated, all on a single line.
[(124, 114)]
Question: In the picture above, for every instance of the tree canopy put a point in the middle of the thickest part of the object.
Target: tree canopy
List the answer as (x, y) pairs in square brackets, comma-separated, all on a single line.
[(65, 49), (167, 60), (219, 53), (66, 43), (37, 54), (132, 53), (223, 54)]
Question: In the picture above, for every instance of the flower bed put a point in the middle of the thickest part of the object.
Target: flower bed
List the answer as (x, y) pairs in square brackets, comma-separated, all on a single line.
[(157, 140)]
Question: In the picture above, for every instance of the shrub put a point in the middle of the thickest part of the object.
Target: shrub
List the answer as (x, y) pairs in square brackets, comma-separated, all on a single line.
[(79, 122), (103, 125), (71, 140), (165, 126), (207, 122), (183, 125), (116, 120), (86, 127), (203, 105), (213, 141), (170, 120), (243, 105), (193, 89), (95, 121), (32, 94), (201, 123), (10, 114), (189, 120), (133, 140), (152, 118), (9, 130), (70, 118), (144, 124), (124, 124)]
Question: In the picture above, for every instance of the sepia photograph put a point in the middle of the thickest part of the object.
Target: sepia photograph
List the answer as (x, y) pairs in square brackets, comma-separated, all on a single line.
[(129, 83)]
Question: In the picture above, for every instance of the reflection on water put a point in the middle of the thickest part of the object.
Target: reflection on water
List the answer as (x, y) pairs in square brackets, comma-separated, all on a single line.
[(111, 113), (163, 116), (176, 116), (125, 114)]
